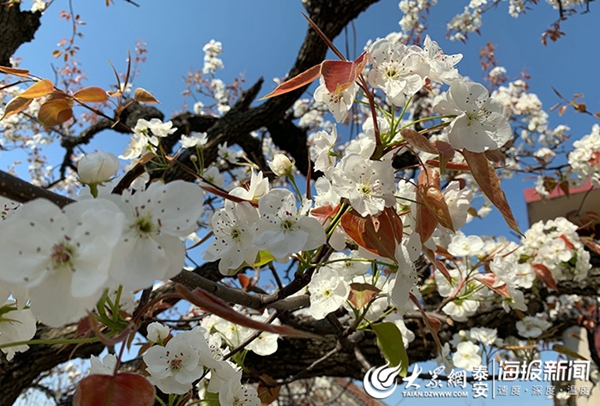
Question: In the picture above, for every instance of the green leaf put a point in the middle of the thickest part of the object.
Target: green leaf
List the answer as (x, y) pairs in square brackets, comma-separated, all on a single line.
[(389, 341), (263, 258)]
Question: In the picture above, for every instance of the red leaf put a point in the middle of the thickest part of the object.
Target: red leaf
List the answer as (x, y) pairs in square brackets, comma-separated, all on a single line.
[(431, 195), (55, 112), (418, 141), (325, 212), (144, 96), (361, 294), (487, 179), (568, 243), (489, 279), (124, 389), (244, 280), (591, 244), (14, 71), (214, 305), (38, 89), (15, 106), (340, 75), (296, 82), (455, 166), (91, 95), (545, 276), (379, 235)]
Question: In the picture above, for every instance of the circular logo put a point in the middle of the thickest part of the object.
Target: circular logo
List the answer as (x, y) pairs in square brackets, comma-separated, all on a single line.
[(380, 382)]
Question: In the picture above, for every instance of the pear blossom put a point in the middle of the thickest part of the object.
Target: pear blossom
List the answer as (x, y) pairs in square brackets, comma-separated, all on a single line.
[(328, 291), (235, 394), (480, 124), (97, 167), (321, 152), (338, 103), (282, 230), (461, 309), (174, 367), (266, 343), (139, 143), (397, 69), (106, 366), (467, 356), (463, 246), (234, 227), (15, 325), (441, 66), (281, 165), (155, 127), (194, 140), (486, 336), (532, 327), (157, 332), (61, 256), (150, 247), (369, 185), (258, 187)]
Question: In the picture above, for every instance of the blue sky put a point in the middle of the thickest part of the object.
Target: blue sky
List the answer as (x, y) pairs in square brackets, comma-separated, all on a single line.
[(261, 38)]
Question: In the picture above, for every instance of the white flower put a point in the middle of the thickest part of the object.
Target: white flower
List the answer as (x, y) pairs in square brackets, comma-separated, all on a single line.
[(485, 336), (338, 103), (322, 146), (154, 127), (466, 356), (398, 70), (62, 257), (266, 343), (97, 167), (460, 310), (194, 140), (282, 230), (481, 122), (15, 325), (104, 367), (328, 291), (150, 248), (369, 185), (258, 187), (281, 165), (174, 367), (462, 246), (234, 227), (38, 5), (532, 327), (233, 393), (157, 332), (441, 66)]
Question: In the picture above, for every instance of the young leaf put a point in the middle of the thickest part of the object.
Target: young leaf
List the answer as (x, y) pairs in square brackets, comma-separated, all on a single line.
[(296, 82), (487, 179), (14, 71), (144, 96), (267, 390), (55, 112), (14, 106), (377, 234), (545, 276), (91, 95), (38, 89), (389, 341), (108, 390), (430, 191), (418, 141), (361, 294), (216, 306), (340, 75)]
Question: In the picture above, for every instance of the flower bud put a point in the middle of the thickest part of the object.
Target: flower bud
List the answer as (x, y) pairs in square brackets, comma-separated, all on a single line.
[(281, 165), (157, 332), (97, 167)]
